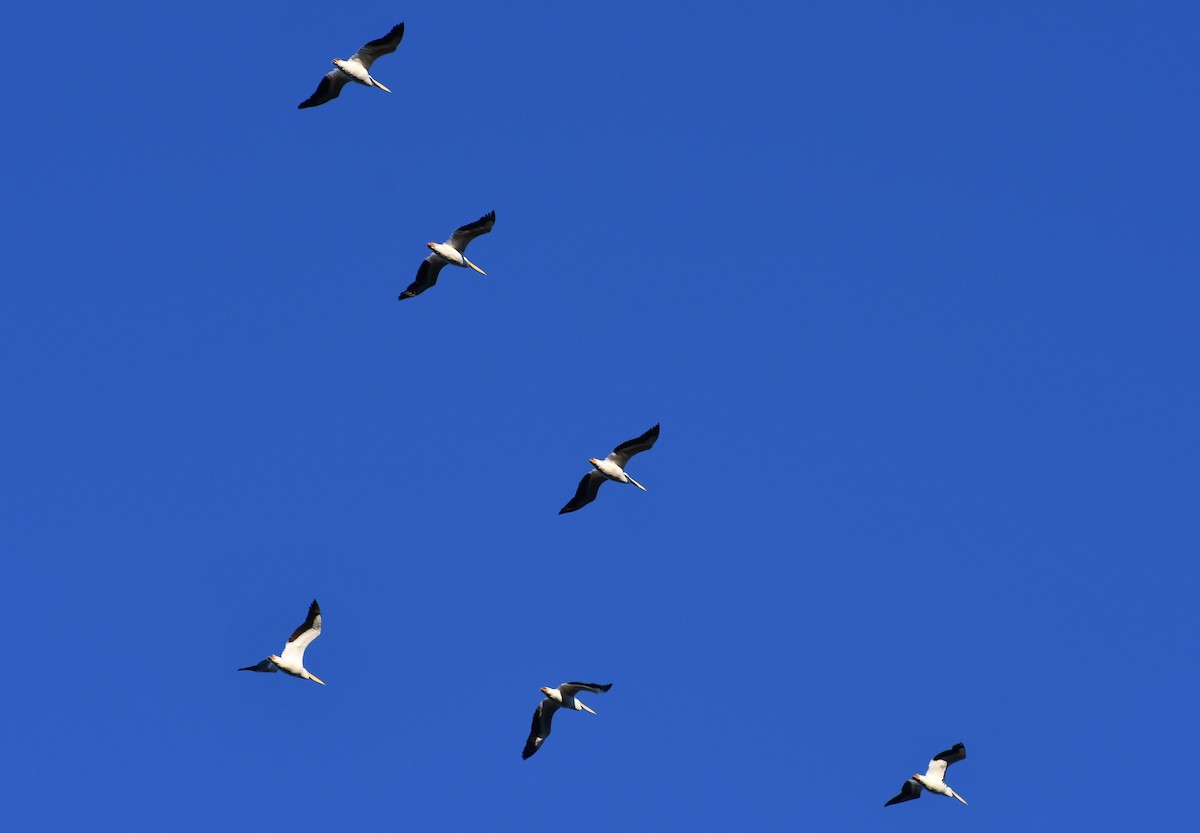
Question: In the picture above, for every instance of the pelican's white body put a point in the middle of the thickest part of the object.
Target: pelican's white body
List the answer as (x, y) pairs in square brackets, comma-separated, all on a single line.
[(356, 71), (452, 255), (291, 665), (567, 701), (934, 778), (614, 472), (937, 785)]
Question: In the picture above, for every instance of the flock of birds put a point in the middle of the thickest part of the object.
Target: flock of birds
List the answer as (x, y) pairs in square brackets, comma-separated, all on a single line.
[(453, 252), (612, 467)]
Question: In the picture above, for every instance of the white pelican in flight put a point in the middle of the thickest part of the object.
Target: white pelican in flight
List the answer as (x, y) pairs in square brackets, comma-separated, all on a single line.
[(934, 778), (611, 467), (355, 69), (292, 661), (564, 697), (449, 252)]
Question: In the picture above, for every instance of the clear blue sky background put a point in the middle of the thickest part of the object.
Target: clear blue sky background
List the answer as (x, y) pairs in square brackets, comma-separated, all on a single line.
[(912, 289)]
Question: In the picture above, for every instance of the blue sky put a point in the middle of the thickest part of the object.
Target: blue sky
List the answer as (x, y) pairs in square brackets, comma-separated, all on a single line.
[(912, 291)]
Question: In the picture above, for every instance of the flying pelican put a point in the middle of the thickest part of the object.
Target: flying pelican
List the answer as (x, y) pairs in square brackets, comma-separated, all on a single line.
[(611, 467), (934, 778), (355, 69), (449, 252), (563, 696), (292, 661)]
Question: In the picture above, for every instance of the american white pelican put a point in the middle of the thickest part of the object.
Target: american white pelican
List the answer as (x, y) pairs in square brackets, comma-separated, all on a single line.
[(355, 69), (934, 778), (611, 467), (292, 661), (449, 252), (561, 697)]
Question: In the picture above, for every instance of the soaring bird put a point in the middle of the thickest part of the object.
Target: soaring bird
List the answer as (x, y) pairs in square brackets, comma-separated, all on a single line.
[(611, 467), (934, 778), (355, 69), (449, 252), (561, 697), (292, 661)]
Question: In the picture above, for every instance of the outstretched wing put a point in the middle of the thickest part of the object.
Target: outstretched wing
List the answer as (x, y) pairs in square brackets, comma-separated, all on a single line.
[(306, 633), (540, 730), (625, 450), (952, 755), (265, 665), (465, 234), (910, 790), (586, 492), (329, 89), (937, 767), (571, 689), (379, 47), (427, 275)]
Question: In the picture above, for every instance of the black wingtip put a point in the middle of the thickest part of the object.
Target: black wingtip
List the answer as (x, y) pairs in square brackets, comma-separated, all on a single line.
[(957, 752), (597, 686)]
